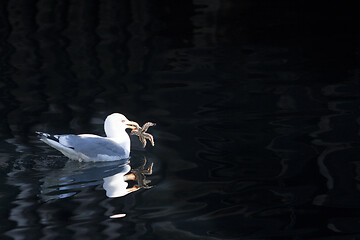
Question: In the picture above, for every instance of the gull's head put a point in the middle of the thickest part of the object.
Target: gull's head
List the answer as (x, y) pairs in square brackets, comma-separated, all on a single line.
[(116, 123)]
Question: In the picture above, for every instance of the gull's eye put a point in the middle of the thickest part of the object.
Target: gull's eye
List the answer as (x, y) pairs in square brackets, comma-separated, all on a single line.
[(123, 121)]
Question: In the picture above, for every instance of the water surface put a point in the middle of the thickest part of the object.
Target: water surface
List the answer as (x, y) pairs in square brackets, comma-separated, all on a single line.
[(257, 112)]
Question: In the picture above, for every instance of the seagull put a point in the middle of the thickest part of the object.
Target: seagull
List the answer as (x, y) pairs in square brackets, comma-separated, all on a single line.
[(90, 147)]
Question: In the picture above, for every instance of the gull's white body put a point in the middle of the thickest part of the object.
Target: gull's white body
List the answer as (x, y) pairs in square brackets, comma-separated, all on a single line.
[(89, 147)]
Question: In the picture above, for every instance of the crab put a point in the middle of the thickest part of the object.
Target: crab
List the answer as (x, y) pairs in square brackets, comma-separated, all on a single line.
[(143, 135)]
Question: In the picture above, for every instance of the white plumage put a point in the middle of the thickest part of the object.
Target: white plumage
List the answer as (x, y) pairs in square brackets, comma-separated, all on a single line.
[(89, 147)]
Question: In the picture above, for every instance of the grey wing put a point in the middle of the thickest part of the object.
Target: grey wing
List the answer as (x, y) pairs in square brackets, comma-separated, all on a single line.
[(93, 146)]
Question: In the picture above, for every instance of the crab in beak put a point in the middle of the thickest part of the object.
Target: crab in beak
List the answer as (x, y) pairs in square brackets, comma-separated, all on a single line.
[(143, 135)]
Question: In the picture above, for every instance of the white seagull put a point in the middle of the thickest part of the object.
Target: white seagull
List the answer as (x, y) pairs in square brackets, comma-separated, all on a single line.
[(90, 147)]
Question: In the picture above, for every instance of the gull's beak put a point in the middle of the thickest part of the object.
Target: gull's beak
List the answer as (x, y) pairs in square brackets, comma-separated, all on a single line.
[(132, 125)]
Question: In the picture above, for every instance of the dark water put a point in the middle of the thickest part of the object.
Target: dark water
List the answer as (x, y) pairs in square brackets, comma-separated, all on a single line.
[(256, 105)]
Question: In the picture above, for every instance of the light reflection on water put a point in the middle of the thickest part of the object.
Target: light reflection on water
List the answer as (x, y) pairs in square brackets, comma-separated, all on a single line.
[(61, 190)]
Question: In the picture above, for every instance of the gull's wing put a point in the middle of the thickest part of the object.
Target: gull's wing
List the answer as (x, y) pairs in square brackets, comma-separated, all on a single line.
[(94, 147), (85, 147)]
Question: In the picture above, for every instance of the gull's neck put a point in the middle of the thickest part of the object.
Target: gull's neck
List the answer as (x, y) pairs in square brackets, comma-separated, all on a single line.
[(118, 134), (123, 139)]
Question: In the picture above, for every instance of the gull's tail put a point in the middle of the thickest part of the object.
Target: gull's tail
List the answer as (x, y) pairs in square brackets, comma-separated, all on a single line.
[(44, 136), (54, 141)]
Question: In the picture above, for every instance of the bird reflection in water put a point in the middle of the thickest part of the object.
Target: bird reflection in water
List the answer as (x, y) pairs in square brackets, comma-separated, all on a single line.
[(114, 176), (117, 185)]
